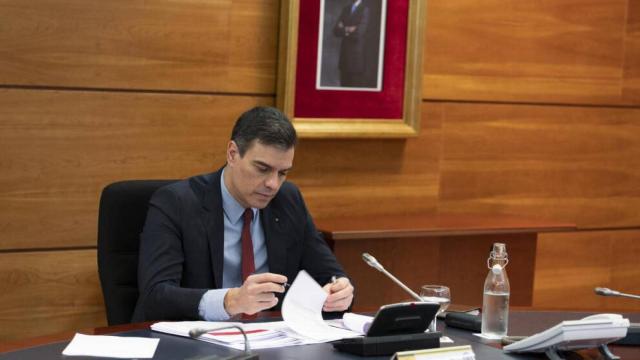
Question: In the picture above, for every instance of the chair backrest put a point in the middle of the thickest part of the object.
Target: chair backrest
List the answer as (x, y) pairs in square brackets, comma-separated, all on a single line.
[(123, 209)]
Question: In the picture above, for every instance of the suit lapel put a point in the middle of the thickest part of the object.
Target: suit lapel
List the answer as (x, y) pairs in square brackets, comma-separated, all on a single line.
[(274, 230), (214, 225)]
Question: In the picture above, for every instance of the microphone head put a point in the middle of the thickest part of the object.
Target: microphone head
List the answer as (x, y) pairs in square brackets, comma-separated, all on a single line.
[(605, 291), (197, 332), (371, 261)]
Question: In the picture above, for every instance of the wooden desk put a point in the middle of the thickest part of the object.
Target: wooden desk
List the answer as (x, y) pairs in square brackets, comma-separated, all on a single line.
[(521, 322), (435, 249)]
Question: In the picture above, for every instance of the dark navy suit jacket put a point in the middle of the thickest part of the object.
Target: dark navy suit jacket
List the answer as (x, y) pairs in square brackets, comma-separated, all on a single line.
[(182, 244)]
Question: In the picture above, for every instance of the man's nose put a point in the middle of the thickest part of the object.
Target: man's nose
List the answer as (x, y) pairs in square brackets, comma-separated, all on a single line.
[(272, 181)]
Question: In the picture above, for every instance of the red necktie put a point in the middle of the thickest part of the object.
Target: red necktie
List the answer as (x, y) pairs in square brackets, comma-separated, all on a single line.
[(248, 264)]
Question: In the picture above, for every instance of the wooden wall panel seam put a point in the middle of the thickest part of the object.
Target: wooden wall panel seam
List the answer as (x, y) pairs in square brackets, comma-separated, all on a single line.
[(526, 103), (131, 90)]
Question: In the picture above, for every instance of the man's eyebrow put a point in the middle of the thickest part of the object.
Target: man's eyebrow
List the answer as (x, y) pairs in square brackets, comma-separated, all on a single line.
[(262, 163)]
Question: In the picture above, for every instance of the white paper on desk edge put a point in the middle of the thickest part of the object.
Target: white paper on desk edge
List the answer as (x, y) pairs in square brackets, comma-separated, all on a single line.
[(123, 347), (302, 310)]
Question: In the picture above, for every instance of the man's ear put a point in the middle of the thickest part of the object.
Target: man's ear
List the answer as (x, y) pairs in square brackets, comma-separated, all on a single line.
[(233, 153)]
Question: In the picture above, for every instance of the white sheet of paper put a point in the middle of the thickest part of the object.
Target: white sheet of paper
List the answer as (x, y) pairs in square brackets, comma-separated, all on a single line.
[(302, 310), (111, 346), (357, 322)]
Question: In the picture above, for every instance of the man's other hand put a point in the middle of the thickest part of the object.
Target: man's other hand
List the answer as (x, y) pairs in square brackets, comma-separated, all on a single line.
[(340, 295), (256, 294)]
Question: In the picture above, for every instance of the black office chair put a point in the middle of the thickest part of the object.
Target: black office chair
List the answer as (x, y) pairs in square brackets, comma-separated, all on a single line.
[(123, 209)]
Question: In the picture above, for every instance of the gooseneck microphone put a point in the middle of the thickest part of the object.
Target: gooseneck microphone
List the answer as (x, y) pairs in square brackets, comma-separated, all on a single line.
[(633, 333), (608, 292), (371, 261), (197, 332)]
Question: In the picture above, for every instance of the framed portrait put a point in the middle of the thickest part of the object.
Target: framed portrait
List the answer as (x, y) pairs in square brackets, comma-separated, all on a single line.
[(351, 68)]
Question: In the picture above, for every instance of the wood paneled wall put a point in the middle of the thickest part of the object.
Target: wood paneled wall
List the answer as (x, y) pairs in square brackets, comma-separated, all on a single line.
[(567, 52), (529, 108)]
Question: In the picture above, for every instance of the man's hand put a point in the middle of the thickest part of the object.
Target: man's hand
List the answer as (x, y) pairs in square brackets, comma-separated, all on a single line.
[(256, 294), (340, 295)]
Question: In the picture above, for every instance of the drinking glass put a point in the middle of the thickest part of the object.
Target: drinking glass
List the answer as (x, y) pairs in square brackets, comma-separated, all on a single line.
[(439, 294)]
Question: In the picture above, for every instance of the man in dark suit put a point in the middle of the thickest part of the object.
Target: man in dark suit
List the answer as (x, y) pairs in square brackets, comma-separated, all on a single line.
[(225, 243), (352, 28)]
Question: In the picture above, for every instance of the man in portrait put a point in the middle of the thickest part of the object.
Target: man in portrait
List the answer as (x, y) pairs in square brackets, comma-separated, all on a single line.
[(351, 27)]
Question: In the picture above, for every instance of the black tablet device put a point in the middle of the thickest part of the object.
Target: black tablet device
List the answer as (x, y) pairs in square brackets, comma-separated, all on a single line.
[(396, 327), (403, 318)]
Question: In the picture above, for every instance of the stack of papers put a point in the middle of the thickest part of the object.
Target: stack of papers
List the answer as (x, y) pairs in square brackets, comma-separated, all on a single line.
[(303, 323), (260, 335)]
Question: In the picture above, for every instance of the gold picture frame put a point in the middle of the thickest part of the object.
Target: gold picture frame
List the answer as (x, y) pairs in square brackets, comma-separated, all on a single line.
[(374, 127)]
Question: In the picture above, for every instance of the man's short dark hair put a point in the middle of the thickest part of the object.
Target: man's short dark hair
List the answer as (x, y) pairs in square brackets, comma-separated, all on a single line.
[(267, 125)]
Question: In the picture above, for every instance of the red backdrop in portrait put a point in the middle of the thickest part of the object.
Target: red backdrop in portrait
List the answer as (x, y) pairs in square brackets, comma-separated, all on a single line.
[(385, 104)]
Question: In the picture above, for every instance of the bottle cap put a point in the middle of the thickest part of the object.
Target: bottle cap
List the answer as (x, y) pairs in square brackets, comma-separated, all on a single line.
[(498, 254), (499, 251)]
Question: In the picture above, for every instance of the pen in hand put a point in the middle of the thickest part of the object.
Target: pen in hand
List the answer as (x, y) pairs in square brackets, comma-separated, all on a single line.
[(334, 281)]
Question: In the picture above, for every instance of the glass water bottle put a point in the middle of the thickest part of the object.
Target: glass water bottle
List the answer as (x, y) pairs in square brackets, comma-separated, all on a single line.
[(495, 302)]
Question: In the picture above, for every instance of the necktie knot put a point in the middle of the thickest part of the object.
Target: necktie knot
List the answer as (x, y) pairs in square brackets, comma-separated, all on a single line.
[(247, 216)]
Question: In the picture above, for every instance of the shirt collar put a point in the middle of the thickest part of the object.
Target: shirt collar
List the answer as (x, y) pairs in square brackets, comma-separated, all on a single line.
[(233, 210)]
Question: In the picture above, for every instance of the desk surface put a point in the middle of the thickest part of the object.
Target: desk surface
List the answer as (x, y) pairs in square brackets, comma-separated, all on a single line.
[(174, 347), (349, 227)]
